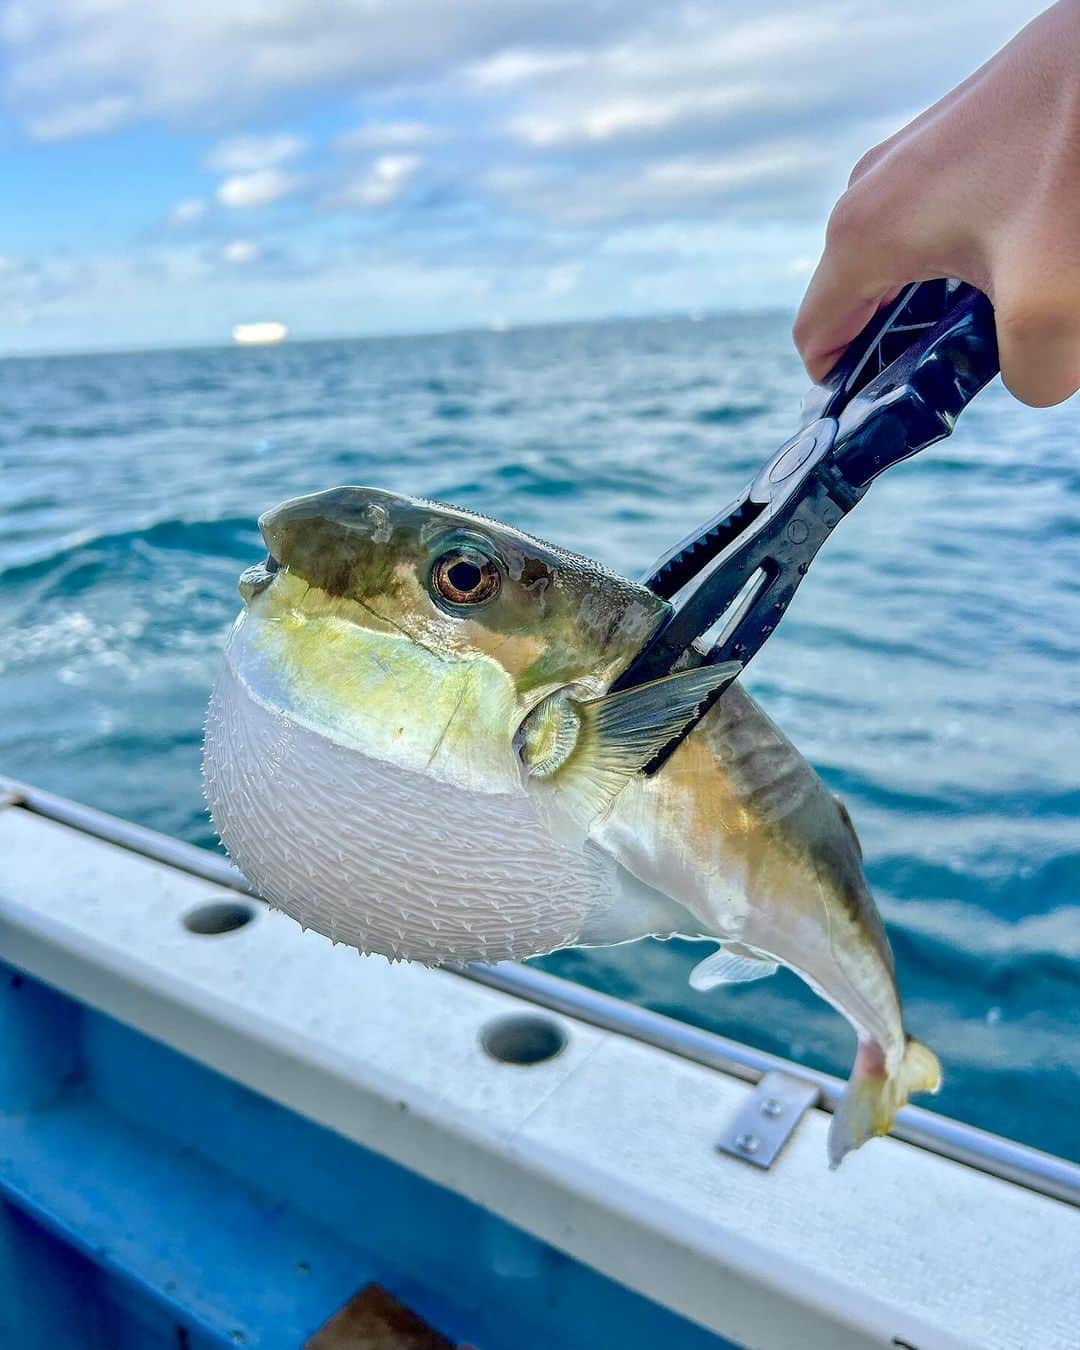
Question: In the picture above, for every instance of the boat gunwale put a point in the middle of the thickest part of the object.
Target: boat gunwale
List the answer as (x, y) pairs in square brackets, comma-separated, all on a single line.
[(1001, 1157)]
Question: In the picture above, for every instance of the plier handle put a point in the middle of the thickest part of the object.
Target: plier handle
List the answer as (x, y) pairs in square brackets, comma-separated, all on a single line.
[(898, 388)]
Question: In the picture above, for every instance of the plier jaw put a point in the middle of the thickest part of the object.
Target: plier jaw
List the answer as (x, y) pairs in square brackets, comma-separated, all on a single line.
[(899, 387)]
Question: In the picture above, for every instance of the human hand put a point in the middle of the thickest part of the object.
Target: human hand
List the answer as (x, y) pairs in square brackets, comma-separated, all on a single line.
[(983, 186)]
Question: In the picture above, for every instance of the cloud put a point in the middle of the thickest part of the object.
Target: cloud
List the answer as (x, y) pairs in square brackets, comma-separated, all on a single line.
[(592, 157), (598, 98), (600, 122), (771, 179), (515, 67), (383, 183), (187, 212), (69, 121), (714, 74), (246, 154), (389, 136), (240, 252), (260, 188), (177, 59), (563, 279)]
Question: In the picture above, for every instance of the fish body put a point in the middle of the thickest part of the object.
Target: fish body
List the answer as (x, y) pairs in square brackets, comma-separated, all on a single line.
[(412, 748)]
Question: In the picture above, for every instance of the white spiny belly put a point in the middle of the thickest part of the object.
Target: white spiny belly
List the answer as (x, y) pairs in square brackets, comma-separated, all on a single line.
[(383, 858)]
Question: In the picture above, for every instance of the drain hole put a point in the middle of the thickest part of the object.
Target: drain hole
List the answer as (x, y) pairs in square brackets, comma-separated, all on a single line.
[(220, 916), (523, 1038)]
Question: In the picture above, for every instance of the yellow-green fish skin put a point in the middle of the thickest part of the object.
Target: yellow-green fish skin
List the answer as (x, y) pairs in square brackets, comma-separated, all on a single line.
[(403, 773)]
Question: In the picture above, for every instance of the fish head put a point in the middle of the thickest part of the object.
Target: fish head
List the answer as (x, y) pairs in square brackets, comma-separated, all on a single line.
[(361, 740), (462, 586)]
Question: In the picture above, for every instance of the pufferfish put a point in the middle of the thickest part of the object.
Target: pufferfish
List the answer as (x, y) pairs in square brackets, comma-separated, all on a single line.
[(412, 749)]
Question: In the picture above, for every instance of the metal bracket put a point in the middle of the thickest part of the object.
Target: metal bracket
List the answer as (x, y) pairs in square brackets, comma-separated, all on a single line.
[(768, 1117)]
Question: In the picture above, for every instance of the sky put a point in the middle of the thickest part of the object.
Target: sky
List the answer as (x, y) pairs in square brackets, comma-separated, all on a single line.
[(169, 168)]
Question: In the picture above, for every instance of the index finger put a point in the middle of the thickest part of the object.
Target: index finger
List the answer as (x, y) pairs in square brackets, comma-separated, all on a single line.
[(860, 270)]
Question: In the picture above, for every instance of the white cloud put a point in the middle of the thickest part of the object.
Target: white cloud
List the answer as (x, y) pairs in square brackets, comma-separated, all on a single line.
[(600, 123), (260, 188), (383, 183), (187, 212), (388, 136), (716, 74), (516, 67), (563, 279), (241, 251), (245, 154), (773, 178), (177, 59), (690, 176), (68, 121)]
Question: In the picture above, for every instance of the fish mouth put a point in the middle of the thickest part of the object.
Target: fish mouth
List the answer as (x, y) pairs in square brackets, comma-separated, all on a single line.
[(255, 579)]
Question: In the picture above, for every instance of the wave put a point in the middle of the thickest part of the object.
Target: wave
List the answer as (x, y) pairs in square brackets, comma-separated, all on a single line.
[(93, 431), (173, 533), (953, 933), (951, 798), (730, 414), (232, 537)]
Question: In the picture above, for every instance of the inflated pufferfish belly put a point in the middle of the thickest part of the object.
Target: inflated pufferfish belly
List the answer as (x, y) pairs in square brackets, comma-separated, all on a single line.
[(392, 862)]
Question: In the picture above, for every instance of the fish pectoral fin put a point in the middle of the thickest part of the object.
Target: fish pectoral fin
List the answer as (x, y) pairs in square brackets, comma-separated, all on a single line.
[(731, 964), (579, 753), (618, 734), (626, 729)]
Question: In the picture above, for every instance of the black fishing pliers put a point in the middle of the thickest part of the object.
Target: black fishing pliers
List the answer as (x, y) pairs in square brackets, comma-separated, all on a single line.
[(898, 388)]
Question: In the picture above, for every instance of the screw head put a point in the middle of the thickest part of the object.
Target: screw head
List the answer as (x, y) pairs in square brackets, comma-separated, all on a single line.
[(747, 1143), (772, 1108)]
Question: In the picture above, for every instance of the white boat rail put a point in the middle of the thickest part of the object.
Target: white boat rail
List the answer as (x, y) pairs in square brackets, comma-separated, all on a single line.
[(1031, 1168)]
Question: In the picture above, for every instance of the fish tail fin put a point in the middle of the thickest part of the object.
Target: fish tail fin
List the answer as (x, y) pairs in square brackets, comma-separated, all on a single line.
[(873, 1096)]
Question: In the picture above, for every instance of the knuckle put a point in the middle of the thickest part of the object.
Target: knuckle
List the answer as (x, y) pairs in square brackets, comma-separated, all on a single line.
[(849, 221), (865, 163)]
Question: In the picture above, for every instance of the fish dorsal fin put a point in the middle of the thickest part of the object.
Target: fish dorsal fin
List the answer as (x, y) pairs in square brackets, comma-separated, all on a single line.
[(613, 738), (845, 816), (731, 964)]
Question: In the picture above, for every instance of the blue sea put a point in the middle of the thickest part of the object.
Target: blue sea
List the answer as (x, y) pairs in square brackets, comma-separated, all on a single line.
[(927, 668)]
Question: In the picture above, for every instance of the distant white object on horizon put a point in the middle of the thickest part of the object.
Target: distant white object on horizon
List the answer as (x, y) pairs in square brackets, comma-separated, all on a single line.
[(259, 334)]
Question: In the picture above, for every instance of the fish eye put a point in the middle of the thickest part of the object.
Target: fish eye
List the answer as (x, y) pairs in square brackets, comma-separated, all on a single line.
[(464, 576)]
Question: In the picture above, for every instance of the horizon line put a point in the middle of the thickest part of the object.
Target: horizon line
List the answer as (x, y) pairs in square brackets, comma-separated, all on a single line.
[(495, 328)]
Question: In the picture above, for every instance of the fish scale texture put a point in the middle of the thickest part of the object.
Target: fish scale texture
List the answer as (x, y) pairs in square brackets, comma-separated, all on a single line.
[(337, 839)]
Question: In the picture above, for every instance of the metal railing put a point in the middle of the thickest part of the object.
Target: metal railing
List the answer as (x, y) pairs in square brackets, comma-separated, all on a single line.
[(991, 1153)]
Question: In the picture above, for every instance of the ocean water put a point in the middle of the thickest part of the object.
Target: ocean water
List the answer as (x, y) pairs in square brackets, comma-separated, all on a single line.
[(927, 668)]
